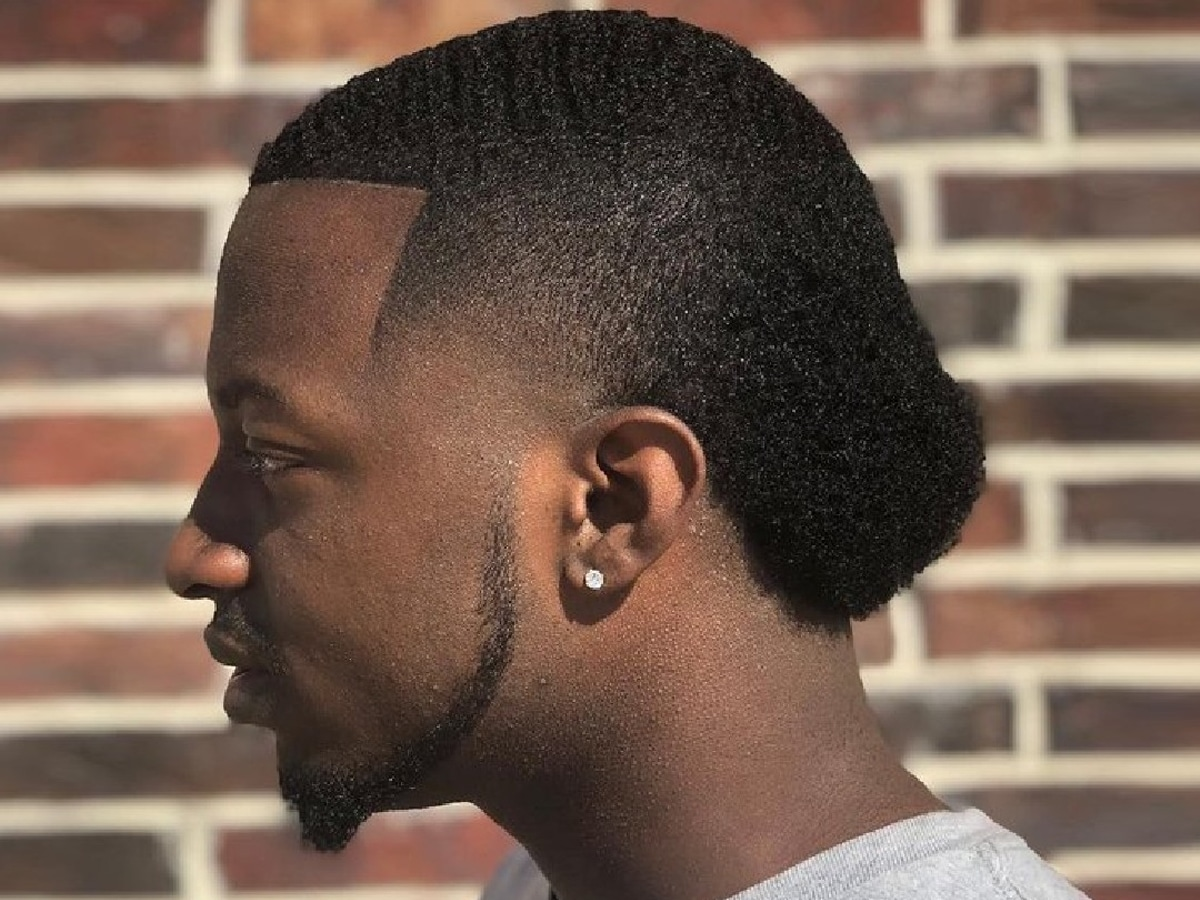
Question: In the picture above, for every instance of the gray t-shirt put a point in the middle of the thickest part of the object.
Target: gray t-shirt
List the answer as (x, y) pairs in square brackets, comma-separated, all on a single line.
[(937, 856)]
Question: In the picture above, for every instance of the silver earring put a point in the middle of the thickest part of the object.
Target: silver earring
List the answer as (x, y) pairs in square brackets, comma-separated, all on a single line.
[(594, 579)]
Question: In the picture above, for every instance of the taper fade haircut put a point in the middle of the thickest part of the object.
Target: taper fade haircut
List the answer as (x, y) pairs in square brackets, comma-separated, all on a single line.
[(650, 211)]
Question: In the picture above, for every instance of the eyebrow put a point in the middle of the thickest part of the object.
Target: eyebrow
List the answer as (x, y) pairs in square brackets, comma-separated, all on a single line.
[(233, 393)]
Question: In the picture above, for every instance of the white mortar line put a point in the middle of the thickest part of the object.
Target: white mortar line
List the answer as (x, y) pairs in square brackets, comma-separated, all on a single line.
[(217, 224), (978, 258), (908, 633), (1006, 156), (1143, 670), (947, 774), (1054, 97), (243, 810), (193, 713), (35, 296), (1031, 717), (136, 188), (224, 42), (1117, 462), (1122, 362), (973, 52), (1104, 564), (584, 5), (116, 397), (1153, 865), (939, 26), (1043, 516), (919, 195), (27, 614), (1043, 307), (199, 870), (142, 503)]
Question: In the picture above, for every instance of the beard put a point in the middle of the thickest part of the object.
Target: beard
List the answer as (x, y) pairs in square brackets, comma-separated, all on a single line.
[(333, 802)]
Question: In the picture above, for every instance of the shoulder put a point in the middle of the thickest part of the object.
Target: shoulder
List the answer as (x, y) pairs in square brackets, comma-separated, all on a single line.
[(517, 878)]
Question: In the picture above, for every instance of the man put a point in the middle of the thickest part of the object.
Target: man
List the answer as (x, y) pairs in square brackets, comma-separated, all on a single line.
[(570, 407)]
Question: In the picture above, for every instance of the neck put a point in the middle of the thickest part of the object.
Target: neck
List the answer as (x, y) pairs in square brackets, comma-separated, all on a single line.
[(754, 751)]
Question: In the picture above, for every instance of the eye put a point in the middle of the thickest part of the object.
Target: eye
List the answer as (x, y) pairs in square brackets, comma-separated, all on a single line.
[(263, 462)]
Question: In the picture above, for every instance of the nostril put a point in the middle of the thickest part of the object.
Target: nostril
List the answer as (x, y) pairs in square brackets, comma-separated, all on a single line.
[(196, 592)]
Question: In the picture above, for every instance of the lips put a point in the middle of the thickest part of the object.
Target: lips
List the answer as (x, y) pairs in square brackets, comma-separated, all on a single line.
[(249, 698)]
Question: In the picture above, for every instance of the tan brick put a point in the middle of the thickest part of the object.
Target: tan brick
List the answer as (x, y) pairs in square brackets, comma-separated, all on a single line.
[(1150, 512), (387, 851), (126, 133), (71, 240), (106, 449), (771, 21), (1012, 621), (1134, 308), (369, 30), (891, 105), (1096, 412), (1076, 205), (68, 31), (998, 16), (137, 764), (1110, 719), (116, 343), (45, 664), (86, 864)]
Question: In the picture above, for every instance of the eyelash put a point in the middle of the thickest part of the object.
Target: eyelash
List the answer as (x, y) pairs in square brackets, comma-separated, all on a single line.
[(262, 464)]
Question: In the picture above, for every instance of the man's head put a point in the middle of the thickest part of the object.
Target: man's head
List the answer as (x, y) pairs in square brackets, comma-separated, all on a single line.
[(590, 290)]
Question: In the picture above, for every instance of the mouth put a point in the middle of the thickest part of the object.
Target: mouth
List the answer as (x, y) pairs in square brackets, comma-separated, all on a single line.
[(249, 697)]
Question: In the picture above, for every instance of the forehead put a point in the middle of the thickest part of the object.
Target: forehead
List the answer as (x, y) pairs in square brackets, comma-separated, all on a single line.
[(305, 269)]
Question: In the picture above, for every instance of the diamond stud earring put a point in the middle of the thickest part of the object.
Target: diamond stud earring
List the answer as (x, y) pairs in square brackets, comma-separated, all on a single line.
[(594, 579)]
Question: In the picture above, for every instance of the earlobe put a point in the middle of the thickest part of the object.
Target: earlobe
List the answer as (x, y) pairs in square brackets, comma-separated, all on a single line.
[(640, 471)]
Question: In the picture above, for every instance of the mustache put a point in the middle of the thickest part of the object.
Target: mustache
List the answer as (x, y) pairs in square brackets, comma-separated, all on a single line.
[(230, 618)]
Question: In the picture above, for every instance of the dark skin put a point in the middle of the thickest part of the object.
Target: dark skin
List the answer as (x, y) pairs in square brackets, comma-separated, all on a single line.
[(672, 736)]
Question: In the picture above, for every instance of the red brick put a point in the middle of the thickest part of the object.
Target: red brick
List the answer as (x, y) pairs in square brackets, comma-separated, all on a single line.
[(946, 721), (1111, 719), (772, 21), (1058, 818), (71, 555), (1072, 205), (873, 640), (1134, 308), (890, 105), (78, 865), (70, 240), (113, 343), (1125, 98), (996, 520), (891, 205), (105, 449), (1151, 512), (392, 849), (103, 663), (1093, 412), (137, 764), (1136, 891), (1119, 16), (39, 31), (1010, 621), (369, 30), (124, 133), (965, 313)]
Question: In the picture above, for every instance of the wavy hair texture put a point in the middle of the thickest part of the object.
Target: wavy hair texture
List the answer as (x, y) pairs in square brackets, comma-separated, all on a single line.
[(658, 215)]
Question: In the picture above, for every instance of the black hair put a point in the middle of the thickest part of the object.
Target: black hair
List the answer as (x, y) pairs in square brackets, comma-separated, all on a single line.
[(671, 223)]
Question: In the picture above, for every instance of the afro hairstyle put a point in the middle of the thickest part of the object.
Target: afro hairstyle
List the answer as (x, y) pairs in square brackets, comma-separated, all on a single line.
[(655, 213)]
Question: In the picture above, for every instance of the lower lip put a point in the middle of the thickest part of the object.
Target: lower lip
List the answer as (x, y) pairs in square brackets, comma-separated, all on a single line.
[(248, 697)]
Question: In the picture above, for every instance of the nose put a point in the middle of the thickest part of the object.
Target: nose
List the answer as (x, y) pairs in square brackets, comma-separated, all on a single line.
[(198, 566)]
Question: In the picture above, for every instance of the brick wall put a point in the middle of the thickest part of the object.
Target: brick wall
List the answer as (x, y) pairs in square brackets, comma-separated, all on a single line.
[(1040, 162)]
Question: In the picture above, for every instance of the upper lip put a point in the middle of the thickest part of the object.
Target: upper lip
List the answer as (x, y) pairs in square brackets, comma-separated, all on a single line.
[(225, 649)]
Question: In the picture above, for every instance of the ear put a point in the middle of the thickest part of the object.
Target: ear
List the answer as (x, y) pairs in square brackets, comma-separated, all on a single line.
[(637, 473)]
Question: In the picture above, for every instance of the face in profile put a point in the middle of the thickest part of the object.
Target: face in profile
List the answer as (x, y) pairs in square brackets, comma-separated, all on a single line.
[(352, 531)]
